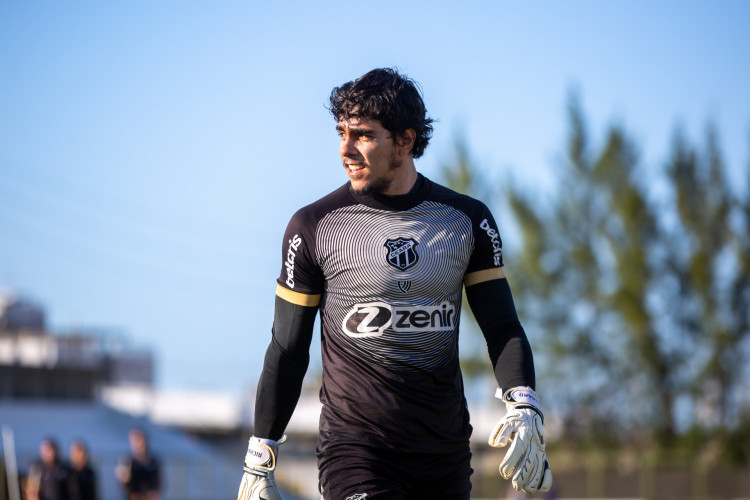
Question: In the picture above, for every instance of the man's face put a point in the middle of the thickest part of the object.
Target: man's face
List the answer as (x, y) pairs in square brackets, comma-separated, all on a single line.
[(369, 155), (47, 452), (137, 444), (77, 455)]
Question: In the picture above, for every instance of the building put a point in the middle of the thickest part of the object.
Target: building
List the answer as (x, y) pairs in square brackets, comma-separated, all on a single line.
[(36, 364)]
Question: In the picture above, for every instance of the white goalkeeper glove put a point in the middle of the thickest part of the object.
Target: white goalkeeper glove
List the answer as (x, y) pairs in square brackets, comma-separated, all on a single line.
[(258, 482), (525, 463)]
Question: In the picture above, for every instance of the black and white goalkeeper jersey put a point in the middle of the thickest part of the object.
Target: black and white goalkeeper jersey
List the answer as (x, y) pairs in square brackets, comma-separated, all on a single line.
[(389, 273)]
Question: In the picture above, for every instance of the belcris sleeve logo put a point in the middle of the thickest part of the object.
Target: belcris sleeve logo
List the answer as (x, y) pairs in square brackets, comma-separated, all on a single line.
[(497, 246), (291, 254)]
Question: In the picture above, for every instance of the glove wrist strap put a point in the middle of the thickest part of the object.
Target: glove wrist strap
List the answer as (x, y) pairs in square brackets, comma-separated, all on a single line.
[(261, 455), (520, 397)]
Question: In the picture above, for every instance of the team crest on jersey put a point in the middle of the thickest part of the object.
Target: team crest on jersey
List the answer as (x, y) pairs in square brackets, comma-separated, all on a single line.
[(402, 253)]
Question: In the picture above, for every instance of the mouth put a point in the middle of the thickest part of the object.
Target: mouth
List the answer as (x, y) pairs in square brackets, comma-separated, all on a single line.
[(354, 168)]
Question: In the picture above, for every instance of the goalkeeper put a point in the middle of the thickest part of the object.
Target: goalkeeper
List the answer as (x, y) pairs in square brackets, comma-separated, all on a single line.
[(383, 260)]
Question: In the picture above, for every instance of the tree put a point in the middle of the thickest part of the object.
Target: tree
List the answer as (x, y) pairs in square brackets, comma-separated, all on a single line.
[(639, 284), (634, 286), (710, 266)]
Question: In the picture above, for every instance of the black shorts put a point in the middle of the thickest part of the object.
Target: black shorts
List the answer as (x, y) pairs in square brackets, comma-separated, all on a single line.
[(354, 473)]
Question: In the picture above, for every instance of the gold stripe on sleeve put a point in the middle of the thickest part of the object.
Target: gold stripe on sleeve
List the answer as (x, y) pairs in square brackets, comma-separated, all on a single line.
[(300, 299), (494, 273)]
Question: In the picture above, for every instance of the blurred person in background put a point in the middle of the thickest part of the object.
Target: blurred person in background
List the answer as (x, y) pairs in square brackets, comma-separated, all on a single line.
[(48, 477), (82, 476), (140, 473)]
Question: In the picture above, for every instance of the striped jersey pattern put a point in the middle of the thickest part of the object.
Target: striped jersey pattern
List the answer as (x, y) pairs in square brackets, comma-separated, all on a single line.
[(389, 272), (352, 251)]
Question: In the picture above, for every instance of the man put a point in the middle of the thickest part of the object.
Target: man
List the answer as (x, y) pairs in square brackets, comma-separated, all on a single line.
[(384, 259), (82, 475), (140, 473), (48, 478)]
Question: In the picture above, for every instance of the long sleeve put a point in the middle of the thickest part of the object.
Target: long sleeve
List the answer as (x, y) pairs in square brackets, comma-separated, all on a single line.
[(509, 349), (284, 367)]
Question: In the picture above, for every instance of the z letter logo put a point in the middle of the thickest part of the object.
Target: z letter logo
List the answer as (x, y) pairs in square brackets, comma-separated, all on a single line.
[(402, 253), (368, 320)]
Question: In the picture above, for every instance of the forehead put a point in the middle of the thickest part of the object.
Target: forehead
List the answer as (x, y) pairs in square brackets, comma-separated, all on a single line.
[(360, 124)]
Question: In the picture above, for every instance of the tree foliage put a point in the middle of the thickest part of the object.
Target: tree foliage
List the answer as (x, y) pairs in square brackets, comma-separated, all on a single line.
[(640, 285), (636, 285)]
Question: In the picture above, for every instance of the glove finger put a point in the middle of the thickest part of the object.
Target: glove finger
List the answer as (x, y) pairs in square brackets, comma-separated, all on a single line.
[(502, 434), (530, 475), (267, 491), (516, 455), (258, 488), (246, 486), (547, 479)]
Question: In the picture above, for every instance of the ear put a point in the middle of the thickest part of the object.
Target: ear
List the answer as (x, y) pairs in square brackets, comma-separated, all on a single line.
[(405, 141)]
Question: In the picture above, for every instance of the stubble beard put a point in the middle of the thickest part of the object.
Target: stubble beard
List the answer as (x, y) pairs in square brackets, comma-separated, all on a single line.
[(381, 185)]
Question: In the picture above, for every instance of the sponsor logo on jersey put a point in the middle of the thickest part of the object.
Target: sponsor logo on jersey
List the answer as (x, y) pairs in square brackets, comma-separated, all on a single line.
[(497, 247), (357, 496), (373, 318), (404, 285), (402, 253), (291, 253)]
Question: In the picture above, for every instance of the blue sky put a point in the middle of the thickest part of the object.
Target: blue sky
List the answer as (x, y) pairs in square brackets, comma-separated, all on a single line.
[(151, 153)]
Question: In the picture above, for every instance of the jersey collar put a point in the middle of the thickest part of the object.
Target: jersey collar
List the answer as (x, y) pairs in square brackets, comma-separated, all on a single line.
[(416, 195)]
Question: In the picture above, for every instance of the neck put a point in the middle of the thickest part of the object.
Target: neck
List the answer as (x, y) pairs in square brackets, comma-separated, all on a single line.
[(406, 176)]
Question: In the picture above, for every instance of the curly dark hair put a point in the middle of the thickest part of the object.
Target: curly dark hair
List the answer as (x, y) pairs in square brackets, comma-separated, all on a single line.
[(389, 97)]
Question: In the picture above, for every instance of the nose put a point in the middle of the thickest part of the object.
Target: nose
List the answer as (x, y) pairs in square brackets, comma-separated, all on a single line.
[(347, 145)]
